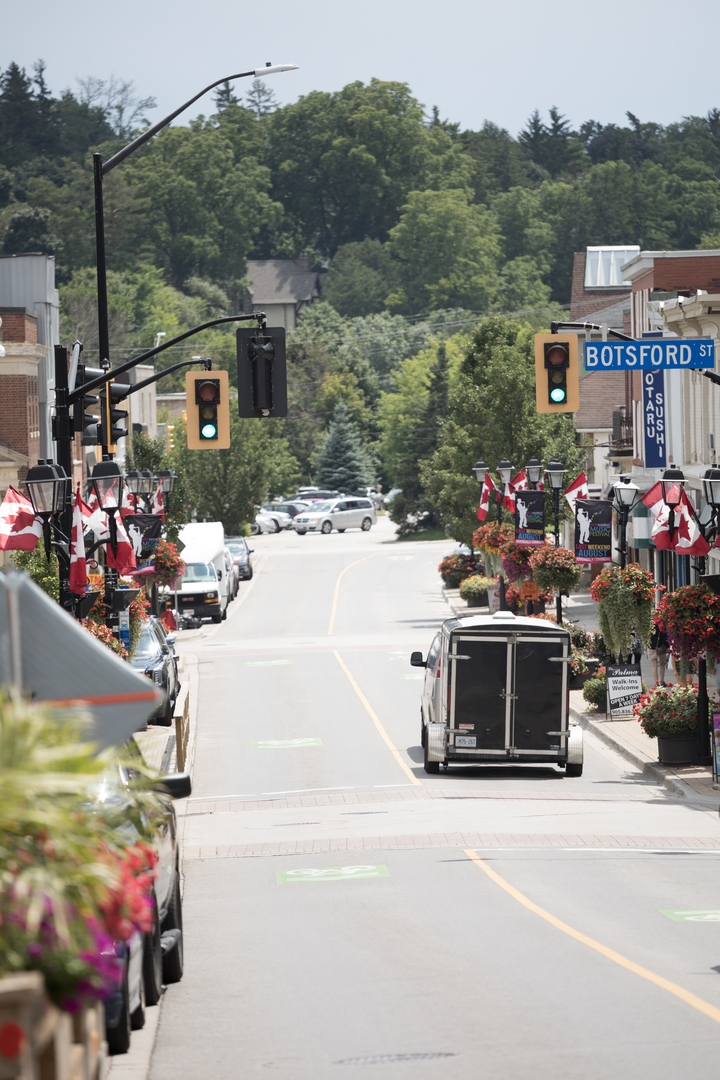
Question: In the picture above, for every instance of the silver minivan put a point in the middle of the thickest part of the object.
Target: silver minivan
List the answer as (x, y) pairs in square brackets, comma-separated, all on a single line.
[(348, 512)]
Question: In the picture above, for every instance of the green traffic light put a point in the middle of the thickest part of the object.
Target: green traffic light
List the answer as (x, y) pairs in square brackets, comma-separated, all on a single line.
[(558, 395), (208, 431)]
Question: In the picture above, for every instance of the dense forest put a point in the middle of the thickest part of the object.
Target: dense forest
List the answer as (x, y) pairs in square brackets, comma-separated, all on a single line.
[(423, 228)]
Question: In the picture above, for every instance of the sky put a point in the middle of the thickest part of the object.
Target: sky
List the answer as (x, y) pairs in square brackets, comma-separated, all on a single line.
[(476, 60)]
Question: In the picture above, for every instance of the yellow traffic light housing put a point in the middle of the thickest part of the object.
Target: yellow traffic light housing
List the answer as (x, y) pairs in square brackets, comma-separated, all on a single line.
[(208, 410), (557, 373)]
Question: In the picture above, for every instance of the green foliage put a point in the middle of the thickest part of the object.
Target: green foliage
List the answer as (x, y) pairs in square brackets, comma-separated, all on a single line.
[(342, 463), (554, 568), (475, 590), (42, 571), (595, 692), (668, 710), (491, 414), (360, 278)]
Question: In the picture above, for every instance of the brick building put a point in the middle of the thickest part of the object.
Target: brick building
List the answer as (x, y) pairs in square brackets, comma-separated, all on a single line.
[(598, 282), (20, 444)]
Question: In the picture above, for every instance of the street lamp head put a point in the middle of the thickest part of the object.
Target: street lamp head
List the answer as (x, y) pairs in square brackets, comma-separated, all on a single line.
[(533, 470), (505, 471), (107, 483), (167, 478), (47, 486), (480, 469), (148, 482), (273, 69), (134, 482), (555, 473), (626, 493), (711, 487), (672, 485)]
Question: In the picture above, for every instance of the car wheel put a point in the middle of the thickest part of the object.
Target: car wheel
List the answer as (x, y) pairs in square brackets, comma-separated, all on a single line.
[(152, 960), (137, 1017), (573, 770), (216, 618), (254, 529), (326, 527), (172, 965), (341, 530), (277, 525), (167, 717), (431, 767), (366, 525), (118, 1037), (300, 532)]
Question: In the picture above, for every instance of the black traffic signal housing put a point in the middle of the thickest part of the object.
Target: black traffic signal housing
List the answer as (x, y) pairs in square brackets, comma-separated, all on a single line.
[(86, 414), (557, 374), (262, 372), (208, 410), (110, 416)]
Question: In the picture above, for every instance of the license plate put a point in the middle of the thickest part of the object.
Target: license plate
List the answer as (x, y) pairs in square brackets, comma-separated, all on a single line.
[(466, 740)]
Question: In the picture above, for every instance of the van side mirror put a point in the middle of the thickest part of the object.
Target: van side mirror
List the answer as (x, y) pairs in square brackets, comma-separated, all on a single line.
[(416, 660), (176, 785)]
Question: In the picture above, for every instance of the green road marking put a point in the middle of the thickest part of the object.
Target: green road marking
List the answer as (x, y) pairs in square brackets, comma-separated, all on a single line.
[(284, 744), (331, 873), (267, 663), (413, 676), (693, 916)]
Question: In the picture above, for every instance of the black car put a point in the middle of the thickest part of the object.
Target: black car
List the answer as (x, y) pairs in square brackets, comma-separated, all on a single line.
[(147, 961), (238, 548), (155, 656)]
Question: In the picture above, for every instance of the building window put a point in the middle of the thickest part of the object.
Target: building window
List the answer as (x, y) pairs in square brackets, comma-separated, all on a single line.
[(603, 266)]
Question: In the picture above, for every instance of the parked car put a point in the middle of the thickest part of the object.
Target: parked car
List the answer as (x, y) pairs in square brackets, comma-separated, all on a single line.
[(238, 548), (264, 523), (146, 961), (314, 494), (233, 581), (155, 656), (340, 514), (289, 506)]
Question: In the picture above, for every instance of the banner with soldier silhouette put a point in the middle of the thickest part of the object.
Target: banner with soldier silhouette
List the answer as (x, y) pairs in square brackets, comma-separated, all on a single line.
[(593, 531), (529, 518)]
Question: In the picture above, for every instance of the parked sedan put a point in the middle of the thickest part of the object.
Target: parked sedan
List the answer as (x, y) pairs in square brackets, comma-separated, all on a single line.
[(233, 580), (238, 548), (340, 514), (155, 656), (283, 510)]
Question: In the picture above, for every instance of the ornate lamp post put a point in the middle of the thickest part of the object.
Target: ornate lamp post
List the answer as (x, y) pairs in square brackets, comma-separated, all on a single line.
[(626, 496), (47, 485), (555, 473), (534, 472), (167, 479)]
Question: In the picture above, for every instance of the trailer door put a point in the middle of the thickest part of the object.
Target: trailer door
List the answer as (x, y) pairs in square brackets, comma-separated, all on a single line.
[(480, 672), (540, 694)]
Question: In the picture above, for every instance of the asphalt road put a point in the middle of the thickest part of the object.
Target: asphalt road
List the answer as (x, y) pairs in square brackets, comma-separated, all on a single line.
[(347, 915)]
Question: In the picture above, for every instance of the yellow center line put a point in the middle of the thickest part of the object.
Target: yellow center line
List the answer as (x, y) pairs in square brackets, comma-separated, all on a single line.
[(617, 958), (376, 721), (341, 575)]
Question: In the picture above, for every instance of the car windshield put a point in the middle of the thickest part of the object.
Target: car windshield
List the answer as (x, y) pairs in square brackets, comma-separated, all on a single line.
[(147, 646), (237, 549), (319, 508), (199, 571)]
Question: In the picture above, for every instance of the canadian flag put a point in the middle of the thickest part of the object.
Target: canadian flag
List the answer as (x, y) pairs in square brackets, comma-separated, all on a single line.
[(487, 489), (577, 490), (158, 503), (518, 483), (78, 568), (660, 533), (688, 540), (123, 558), (20, 529), (129, 503)]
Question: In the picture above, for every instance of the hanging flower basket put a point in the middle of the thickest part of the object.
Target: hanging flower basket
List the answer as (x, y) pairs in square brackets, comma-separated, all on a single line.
[(625, 600), (167, 564), (491, 539), (455, 568), (555, 568), (516, 562), (690, 617)]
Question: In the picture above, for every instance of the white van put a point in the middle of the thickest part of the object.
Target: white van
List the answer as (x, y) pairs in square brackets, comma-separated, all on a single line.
[(204, 591)]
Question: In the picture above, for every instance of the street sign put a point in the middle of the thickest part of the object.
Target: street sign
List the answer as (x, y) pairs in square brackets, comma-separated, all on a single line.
[(672, 353), (624, 687), (654, 418), (529, 590)]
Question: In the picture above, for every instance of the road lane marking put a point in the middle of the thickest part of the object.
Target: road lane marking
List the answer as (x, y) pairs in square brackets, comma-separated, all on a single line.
[(690, 999), (341, 575), (331, 873), (266, 663), (285, 744), (376, 721), (692, 916)]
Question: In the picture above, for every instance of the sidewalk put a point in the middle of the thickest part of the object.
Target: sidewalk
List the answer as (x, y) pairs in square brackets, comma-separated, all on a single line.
[(626, 737)]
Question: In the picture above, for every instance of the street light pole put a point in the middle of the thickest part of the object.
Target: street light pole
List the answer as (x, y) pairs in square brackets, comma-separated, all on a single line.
[(504, 470), (555, 473), (626, 496)]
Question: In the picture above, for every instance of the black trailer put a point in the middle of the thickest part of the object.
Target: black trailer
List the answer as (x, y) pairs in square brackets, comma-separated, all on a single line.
[(496, 690)]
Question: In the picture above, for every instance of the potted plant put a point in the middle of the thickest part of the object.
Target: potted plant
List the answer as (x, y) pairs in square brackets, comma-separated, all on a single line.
[(595, 690), (555, 568), (474, 590), (491, 538), (455, 568), (625, 599), (516, 562), (669, 714), (690, 617)]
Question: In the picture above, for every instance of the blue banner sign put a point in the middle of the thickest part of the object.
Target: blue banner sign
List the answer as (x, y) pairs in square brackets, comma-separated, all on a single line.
[(672, 353), (654, 419)]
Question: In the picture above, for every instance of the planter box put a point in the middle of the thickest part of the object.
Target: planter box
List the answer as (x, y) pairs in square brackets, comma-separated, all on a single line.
[(677, 749), (577, 682)]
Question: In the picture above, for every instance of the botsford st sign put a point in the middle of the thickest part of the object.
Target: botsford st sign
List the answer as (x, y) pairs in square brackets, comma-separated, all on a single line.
[(672, 353)]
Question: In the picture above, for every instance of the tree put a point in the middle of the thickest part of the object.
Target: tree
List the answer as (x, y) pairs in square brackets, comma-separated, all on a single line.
[(491, 415), (447, 252), (359, 279), (342, 463)]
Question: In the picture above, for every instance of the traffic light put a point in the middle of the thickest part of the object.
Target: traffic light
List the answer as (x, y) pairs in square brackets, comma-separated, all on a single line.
[(208, 410), (262, 372), (557, 374), (170, 437), (86, 415), (110, 416)]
